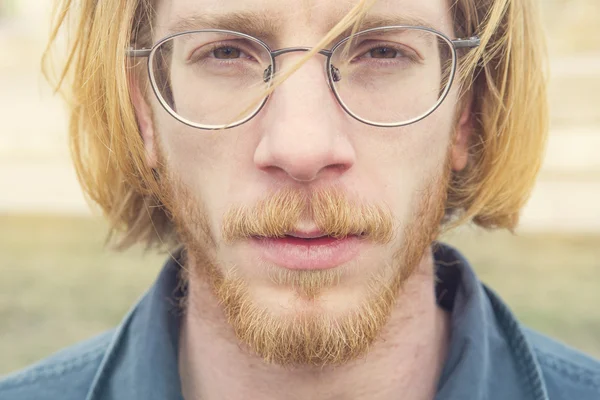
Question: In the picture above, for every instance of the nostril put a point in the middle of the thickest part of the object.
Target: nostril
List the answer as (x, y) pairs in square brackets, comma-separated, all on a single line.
[(339, 168)]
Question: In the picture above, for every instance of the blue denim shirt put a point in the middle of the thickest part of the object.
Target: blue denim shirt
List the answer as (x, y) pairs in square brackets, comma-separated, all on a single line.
[(491, 355)]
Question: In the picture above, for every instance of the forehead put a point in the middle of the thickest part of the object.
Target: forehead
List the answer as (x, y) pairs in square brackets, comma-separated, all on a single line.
[(302, 21)]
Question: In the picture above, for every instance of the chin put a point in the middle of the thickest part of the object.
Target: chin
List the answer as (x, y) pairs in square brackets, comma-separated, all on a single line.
[(286, 301), (309, 323)]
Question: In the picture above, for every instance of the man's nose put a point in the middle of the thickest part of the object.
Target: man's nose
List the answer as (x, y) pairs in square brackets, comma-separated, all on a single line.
[(302, 129)]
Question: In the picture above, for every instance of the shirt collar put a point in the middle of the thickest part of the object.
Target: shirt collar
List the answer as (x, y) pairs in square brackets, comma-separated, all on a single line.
[(488, 355), (141, 362)]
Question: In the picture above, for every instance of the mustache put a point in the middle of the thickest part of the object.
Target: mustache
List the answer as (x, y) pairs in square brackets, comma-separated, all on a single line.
[(331, 210)]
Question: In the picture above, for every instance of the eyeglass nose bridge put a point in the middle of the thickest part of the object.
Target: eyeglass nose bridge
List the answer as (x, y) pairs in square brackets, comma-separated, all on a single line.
[(333, 73)]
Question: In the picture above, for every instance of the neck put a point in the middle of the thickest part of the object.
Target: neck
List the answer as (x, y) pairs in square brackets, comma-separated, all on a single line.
[(405, 361)]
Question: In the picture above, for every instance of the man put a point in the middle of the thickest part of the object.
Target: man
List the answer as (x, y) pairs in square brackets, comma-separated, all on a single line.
[(302, 203)]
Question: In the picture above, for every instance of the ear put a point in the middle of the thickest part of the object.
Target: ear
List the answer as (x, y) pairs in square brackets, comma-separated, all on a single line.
[(143, 114), (462, 135)]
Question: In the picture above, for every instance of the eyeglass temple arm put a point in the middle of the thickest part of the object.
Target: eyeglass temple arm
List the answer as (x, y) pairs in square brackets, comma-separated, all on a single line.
[(469, 43), (135, 53)]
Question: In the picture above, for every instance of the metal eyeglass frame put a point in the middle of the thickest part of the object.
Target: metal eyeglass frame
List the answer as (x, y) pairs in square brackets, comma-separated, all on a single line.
[(331, 71)]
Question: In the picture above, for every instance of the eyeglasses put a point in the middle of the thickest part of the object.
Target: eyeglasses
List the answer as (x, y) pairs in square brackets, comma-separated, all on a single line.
[(388, 76)]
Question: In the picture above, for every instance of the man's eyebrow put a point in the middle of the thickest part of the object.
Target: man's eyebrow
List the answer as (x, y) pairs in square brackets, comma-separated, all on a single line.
[(377, 21), (248, 22)]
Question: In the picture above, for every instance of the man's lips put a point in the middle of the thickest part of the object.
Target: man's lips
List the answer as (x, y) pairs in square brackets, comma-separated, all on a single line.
[(308, 250), (306, 235), (309, 242)]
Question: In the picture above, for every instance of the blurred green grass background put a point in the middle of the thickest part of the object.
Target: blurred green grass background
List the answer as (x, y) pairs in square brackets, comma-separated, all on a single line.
[(60, 284)]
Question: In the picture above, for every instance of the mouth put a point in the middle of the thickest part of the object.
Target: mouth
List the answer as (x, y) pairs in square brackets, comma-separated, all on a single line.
[(306, 235), (314, 238), (308, 250)]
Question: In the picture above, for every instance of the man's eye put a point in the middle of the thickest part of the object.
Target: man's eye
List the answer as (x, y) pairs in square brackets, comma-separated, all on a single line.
[(383, 52), (227, 53)]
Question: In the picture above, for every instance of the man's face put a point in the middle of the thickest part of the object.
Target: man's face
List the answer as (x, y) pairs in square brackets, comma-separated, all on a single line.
[(304, 221)]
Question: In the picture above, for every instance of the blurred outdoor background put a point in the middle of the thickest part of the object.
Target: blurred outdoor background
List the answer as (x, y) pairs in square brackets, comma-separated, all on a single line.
[(58, 284)]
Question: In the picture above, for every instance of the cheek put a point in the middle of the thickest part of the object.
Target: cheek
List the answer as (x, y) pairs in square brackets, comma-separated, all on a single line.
[(208, 163), (396, 165), (186, 150)]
